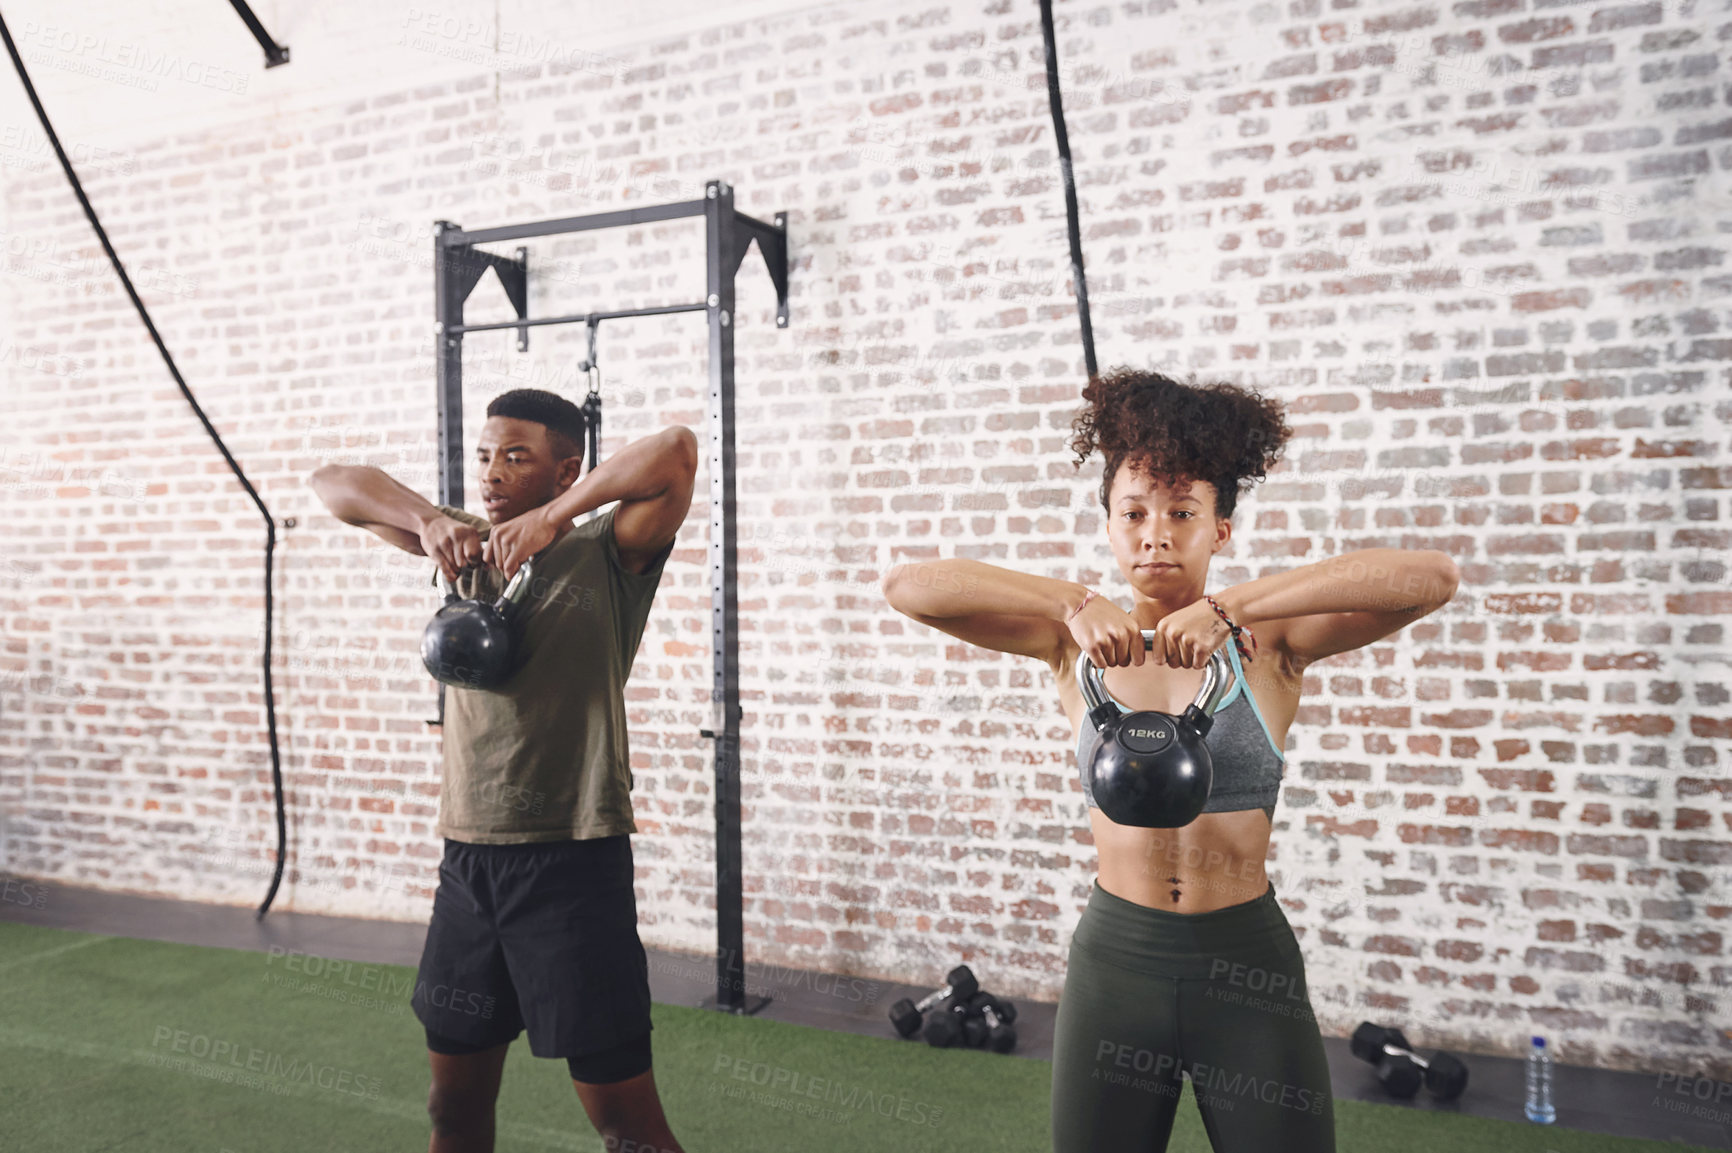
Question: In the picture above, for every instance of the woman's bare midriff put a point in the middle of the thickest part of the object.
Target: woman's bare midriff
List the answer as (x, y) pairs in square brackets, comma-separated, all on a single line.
[(1217, 859)]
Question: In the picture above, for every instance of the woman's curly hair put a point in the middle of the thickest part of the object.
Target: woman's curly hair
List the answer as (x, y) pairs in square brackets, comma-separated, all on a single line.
[(1221, 433)]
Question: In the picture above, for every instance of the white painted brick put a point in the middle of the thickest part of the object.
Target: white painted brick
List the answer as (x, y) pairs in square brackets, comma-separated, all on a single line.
[(1475, 248)]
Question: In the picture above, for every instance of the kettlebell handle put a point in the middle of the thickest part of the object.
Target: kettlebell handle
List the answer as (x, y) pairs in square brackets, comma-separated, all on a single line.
[(515, 588), (1214, 686)]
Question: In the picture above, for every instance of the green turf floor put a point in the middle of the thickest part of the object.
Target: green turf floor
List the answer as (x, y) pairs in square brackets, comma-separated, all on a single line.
[(108, 1043)]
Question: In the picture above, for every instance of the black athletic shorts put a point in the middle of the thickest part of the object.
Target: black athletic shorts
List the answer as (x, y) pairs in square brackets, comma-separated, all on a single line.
[(540, 936)]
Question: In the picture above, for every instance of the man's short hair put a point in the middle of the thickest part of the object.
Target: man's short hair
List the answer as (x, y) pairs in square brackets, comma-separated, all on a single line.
[(566, 428)]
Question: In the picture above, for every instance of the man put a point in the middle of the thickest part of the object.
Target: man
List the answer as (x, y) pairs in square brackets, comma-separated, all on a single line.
[(535, 920)]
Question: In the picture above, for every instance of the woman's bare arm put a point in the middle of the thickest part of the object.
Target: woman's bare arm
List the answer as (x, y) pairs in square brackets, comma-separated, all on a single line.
[(995, 608), (1345, 602)]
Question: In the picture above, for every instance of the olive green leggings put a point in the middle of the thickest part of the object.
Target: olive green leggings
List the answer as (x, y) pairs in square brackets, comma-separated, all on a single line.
[(1219, 996)]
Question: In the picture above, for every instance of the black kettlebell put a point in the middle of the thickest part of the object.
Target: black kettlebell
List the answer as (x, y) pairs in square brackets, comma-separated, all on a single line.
[(1152, 770), (471, 644)]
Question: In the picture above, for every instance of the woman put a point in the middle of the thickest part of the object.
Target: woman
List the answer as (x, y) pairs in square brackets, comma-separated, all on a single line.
[(1183, 959)]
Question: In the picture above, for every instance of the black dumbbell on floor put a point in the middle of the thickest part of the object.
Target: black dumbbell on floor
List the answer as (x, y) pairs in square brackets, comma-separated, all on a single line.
[(905, 1015), (1401, 1070), (956, 1022), (998, 1017), (981, 1022)]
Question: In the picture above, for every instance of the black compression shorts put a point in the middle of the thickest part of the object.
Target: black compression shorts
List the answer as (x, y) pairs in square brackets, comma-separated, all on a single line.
[(542, 937)]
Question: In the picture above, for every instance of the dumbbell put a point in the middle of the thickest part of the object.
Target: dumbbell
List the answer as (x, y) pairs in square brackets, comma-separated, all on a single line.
[(905, 1014), (1401, 1070), (1000, 1036), (955, 1023)]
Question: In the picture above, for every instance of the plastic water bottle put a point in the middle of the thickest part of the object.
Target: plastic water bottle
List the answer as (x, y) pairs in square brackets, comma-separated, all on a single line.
[(1539, 1103)]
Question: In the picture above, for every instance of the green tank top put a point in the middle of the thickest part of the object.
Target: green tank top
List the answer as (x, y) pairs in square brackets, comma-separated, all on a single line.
[(545, 757)]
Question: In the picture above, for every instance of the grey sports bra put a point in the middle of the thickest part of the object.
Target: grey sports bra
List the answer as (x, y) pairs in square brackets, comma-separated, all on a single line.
[(1246, 759)]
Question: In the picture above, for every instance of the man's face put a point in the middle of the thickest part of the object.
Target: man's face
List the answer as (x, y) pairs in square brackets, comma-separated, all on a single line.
[(518, 469), (1163, 537)]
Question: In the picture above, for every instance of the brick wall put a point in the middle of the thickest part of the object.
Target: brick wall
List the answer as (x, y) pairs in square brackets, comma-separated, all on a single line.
[(1476, 248)]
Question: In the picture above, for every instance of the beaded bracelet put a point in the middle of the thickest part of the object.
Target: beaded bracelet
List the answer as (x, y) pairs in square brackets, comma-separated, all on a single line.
[(1236, 630)]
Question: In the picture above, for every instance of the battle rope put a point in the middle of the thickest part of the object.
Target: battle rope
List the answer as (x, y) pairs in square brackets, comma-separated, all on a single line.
[(1070, 209), (270, 522)]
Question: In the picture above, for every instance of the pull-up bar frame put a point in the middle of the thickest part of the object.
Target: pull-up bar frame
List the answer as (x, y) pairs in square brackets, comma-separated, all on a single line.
[(457, 267)]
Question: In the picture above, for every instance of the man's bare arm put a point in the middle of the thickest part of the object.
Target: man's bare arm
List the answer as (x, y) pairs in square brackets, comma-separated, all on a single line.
[(372, 499), (361, 495)]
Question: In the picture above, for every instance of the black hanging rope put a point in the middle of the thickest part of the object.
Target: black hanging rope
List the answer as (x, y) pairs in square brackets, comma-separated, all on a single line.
[(270, 522), (591, 407), (1070, 209)]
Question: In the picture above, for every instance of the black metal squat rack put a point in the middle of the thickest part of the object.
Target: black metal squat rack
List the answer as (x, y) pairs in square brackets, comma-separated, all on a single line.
[(457, 267)]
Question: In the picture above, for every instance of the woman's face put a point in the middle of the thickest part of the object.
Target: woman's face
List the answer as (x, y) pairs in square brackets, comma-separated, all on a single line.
[(1163, 537)]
